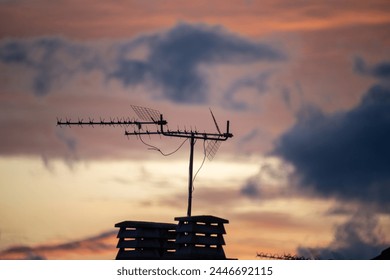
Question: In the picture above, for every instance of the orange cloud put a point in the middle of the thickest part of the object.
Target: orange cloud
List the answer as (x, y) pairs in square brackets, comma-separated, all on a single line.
[(102, 246), (102, 19)]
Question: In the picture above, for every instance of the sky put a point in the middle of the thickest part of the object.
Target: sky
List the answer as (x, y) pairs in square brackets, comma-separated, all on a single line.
[(304, 84)]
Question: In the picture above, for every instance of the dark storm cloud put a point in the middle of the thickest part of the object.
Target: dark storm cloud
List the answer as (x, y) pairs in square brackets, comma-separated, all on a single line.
[(357, 238), (172, 61), (346, 154)]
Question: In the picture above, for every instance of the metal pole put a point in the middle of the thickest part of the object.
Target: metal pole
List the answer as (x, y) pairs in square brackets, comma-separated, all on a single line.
[(192, 144)]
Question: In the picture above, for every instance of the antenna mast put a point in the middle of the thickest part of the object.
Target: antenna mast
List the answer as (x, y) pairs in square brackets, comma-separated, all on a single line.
[(154, 117)]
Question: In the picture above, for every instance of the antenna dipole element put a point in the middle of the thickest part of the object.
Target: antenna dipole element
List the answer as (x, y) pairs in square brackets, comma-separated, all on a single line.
[(91, 122)]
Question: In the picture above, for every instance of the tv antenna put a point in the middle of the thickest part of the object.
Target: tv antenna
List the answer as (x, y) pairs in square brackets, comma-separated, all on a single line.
[(149, 116)]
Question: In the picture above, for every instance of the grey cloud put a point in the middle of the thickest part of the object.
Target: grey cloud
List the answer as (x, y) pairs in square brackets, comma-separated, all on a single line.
[(171, 63), (286, 96), (258, 82), (50, 58), (131, 72), (251, 188), (14, 52), (177, 54), (250, 136)]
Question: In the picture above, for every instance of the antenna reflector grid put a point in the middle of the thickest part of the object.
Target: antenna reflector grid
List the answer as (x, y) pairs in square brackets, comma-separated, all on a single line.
[(212, 149), (146, 114)]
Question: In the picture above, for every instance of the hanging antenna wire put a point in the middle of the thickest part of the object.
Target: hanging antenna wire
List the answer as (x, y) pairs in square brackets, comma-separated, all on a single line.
[(154, 148), (204, 159)]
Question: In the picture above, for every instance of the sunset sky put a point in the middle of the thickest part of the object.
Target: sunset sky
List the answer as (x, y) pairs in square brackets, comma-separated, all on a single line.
[(304, 84)]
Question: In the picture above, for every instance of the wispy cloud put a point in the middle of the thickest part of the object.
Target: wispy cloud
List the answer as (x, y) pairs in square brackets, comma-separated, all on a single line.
[(102, 244), (49, 59), (258, 83), (270, 182), (359, 237)]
